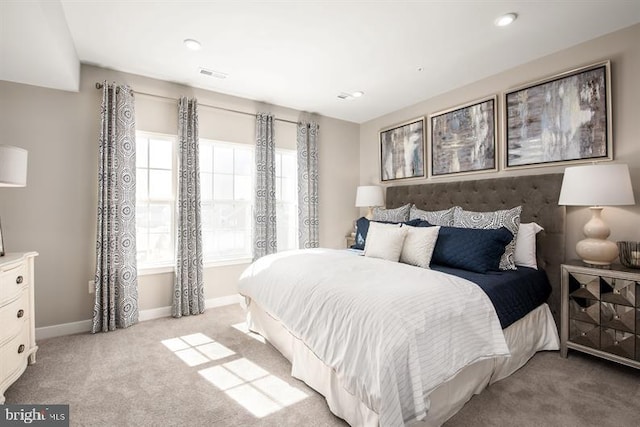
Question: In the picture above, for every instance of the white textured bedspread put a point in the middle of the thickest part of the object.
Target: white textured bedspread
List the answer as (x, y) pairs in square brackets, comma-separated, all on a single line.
[(392, 332)]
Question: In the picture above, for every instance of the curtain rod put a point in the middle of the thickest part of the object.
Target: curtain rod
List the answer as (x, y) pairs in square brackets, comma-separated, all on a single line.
[(99, 86)]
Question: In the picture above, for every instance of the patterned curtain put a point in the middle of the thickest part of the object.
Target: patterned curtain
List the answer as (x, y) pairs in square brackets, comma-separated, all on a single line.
[(188, 291), (116, 279), (308, 234), (264, 239)]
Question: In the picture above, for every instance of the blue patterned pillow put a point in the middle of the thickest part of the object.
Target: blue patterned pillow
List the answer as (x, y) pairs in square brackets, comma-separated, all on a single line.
[(471, 249), (444, 217)]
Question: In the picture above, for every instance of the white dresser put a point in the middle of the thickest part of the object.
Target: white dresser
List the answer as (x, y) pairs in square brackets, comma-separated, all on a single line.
[(17, 324)]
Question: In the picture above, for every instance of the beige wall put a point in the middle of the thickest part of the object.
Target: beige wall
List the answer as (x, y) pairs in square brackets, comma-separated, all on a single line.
[(55, 213), (622, 48)]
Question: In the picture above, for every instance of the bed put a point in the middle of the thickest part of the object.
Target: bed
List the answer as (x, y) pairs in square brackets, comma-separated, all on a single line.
[(332, 312)]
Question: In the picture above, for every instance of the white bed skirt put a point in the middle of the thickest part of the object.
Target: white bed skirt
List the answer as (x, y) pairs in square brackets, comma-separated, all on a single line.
[(534, 332)]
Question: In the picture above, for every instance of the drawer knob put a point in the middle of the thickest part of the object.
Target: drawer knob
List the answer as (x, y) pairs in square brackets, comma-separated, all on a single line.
[(583, 309), (21, 348), (19, 279), (20, 313)]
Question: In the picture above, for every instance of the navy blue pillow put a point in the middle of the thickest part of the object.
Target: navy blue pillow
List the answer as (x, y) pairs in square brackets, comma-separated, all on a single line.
[(470, 249), (362, 228)]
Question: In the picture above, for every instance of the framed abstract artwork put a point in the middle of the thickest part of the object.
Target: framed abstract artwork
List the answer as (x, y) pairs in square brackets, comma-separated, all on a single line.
[(463, 139), (402, 151), (564, 118)]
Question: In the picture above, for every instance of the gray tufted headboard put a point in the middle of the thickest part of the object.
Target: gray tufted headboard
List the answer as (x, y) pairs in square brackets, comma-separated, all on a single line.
[(537, 194)]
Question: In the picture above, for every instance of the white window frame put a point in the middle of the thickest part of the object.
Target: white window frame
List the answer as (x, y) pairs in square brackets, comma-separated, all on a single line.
[(233, 260), (169, 267), (166, 266), (280, 202)]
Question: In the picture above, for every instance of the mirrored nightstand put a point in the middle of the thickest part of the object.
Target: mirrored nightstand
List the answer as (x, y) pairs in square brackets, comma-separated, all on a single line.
[(601, 312)]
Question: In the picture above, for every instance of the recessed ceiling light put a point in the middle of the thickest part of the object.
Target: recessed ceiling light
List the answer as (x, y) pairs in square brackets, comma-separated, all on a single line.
[(506, 19), (192, 44), (346, 96), (213, 73)]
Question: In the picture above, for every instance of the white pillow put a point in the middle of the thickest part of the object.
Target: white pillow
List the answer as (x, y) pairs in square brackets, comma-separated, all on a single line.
[(418, 245), (384, 241), (525, 253)]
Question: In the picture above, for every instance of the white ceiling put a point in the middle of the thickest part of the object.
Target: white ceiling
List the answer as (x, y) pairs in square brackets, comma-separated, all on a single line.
[(299, 54)]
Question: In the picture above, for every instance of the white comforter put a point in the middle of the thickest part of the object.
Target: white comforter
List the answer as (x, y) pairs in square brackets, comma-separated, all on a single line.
[(392, 332)]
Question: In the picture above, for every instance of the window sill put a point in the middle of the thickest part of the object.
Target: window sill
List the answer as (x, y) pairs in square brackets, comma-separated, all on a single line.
[(162, 269)]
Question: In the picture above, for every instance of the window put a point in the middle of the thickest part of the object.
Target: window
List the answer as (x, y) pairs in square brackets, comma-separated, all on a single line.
[(226, 184), (155, 199), (287, 199), (227, 191)]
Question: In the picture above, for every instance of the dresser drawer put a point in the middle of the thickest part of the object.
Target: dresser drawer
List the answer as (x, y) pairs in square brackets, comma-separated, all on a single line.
[(14, 315), (14, 353), (13, 279)]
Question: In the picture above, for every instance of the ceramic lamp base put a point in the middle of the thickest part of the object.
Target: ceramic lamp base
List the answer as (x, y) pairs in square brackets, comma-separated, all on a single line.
[(596, 250)]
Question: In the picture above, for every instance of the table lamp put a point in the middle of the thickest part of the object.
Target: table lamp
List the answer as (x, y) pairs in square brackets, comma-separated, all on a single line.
[(369, 196), (596, 186), (13, 172)]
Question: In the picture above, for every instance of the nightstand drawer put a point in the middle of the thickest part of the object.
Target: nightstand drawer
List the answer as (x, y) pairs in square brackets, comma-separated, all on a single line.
[(618, 291), (618, 342), (584, 333), (618, 317), (585, 310)]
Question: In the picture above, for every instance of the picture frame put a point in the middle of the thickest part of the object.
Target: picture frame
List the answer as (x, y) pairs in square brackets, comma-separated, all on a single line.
[(463, 139), (565, 118), (402, 151)]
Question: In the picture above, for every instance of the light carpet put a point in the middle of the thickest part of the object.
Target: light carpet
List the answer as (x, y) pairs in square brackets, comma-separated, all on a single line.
[(203, 371)]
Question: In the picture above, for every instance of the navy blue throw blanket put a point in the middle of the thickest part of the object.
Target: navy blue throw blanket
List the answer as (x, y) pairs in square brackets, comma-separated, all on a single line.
[(514, 293)]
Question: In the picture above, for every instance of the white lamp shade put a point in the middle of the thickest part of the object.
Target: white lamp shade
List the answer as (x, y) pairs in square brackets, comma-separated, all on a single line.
[(369, 195), (596, 185), (13, 166)]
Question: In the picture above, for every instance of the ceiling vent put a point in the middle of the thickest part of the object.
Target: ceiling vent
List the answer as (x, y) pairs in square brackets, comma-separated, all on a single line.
[(213, 73), (345, 96)]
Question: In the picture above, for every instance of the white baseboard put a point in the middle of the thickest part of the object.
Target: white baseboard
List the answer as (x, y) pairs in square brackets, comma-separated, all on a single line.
[(64, 329), (153, 313)]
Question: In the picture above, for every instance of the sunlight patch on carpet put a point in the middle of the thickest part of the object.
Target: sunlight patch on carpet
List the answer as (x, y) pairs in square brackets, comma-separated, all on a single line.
[(196, 349), (253, 387)]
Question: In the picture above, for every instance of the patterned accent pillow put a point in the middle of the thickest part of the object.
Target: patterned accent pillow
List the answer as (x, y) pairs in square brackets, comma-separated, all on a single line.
[(400, 214), (444, 217), (509, 218)]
